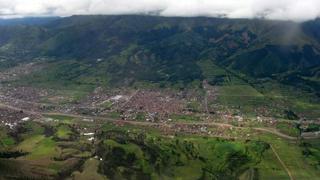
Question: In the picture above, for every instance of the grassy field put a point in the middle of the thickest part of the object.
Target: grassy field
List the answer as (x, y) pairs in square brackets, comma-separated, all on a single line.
[(311, 151), (41, 154), (64, 132), (262, 82), (90, 171), (300, 101), (240, 92), (62, 119), (292, 156), (217, 75), (185, 118), (271, 168), (132, 151), (39, 147), (5, 140), (179, 157), (288, 128)]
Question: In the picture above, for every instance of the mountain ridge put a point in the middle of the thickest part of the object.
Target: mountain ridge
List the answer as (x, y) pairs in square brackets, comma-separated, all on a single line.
[(160, 49)]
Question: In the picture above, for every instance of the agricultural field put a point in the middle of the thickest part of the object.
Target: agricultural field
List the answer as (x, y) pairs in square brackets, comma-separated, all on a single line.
[(148, 97), (226, 129), (113, 150)]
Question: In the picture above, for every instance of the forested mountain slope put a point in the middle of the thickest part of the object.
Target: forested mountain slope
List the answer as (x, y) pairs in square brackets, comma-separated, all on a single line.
[(169, 49)]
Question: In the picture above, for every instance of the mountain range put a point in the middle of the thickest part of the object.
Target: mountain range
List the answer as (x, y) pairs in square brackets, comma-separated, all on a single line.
[(130, 48)]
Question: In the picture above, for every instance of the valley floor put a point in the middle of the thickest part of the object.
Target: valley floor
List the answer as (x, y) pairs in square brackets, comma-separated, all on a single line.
[(152, 133)]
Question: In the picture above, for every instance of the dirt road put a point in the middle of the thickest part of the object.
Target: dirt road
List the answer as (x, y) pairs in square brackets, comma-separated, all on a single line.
[(281, 162)]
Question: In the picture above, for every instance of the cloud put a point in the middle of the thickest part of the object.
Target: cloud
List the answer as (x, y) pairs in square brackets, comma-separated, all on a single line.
[(298, 10)]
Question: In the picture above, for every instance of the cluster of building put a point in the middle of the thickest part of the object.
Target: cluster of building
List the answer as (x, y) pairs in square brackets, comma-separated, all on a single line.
[(12, 118)]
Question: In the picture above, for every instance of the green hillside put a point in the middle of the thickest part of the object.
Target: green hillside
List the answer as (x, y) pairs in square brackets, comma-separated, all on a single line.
[(269, 58), (161, 46)]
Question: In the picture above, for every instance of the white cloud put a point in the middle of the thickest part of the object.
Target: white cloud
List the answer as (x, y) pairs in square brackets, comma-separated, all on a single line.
[(271, 9)]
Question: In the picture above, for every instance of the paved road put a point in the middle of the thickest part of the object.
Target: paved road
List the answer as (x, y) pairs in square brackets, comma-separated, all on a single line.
[(276, 132), (18, 109), (268, 130)]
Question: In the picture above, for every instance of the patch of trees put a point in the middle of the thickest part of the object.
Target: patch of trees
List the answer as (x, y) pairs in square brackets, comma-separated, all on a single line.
[(12, 154)]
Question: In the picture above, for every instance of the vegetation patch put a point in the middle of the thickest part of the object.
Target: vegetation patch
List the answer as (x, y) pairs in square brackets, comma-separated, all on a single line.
[(64, 132), (291, 129), (181, 117), (133, 154)]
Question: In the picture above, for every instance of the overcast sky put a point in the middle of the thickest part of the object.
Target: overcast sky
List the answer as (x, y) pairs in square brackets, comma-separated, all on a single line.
[(297, 10)]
